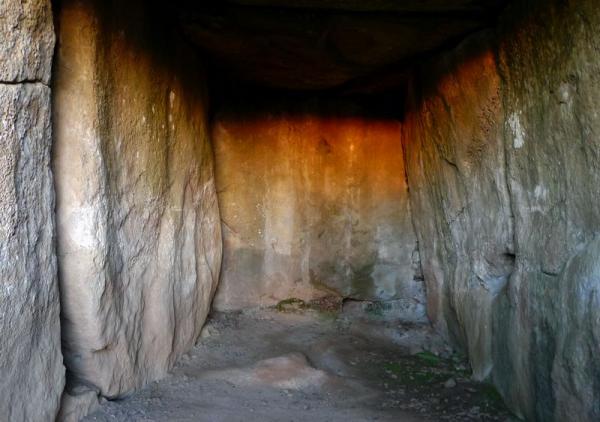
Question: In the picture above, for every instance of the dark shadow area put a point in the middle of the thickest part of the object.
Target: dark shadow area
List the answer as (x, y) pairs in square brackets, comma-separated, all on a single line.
[(250, 100), (310, 46)]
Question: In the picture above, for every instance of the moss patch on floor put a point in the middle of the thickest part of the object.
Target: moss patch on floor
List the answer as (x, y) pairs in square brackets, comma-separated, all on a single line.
[(291, 305)]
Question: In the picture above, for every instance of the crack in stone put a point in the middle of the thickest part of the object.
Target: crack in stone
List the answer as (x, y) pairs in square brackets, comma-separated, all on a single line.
[(24, 82)]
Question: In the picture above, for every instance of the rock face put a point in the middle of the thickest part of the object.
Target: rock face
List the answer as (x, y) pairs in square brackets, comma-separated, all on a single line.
[(30, 356), (504, 181), (547, 324), (314, 202), (32, 374), (27, 41), (138, 223), (452, 135)]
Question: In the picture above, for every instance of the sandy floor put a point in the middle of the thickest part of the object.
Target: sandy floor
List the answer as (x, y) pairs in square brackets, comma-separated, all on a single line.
[(310, 366)]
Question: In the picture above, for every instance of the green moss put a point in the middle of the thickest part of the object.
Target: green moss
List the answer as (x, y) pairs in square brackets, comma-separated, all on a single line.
[(429, 358), (490, 396), (395, 368), (425, 368), (326, 308), (377, 309), (290, 305), (411, 373)]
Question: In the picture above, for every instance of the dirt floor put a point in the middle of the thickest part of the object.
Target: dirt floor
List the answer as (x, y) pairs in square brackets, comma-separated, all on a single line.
[(295, 364)]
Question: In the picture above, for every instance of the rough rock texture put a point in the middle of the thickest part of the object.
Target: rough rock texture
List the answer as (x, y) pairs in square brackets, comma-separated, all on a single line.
[(548, 328), (31, 370), (138, 224), (30, 357), (27, 38), (452, 137), (314, 202), (520, 118)]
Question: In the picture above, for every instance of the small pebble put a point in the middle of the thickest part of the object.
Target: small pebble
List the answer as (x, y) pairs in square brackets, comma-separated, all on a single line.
[(450, 383)]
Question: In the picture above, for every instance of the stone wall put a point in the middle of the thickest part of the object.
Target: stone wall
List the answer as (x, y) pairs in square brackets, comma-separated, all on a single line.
[(503, 144), (314, 202), (453, 139), (548, 325), (32, 373), (139, 236)]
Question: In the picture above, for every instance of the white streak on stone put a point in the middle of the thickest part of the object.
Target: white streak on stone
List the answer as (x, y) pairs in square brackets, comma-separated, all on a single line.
[(519, 134)]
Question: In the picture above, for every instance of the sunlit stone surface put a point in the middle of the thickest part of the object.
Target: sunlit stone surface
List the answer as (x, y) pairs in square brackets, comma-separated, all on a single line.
[(314, 202), (138, 223)]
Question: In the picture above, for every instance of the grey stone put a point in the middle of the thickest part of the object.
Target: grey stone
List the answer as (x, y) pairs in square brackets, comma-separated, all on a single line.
[(544, 324), (27, 38), (450, 383), (32, 374), (456, 173), (138, 224), (75, 407), (508, 227)]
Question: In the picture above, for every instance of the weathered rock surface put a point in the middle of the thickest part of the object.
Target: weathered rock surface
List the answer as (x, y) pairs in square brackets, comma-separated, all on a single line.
[(547, 326), (528, 125), (32, 374), (27, 37), (452, 137), (138, 224), (31, 370), (314, 202)]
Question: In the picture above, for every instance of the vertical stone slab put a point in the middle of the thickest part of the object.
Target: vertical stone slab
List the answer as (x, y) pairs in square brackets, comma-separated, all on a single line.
[(138, 223), (32, 374), (27, 41), (314, 202), (31, 370), (548, 328), (532, 324), (456, 169)]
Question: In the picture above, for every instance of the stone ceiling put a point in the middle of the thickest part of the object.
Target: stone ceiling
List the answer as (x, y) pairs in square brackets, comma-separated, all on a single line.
[(325, 44)]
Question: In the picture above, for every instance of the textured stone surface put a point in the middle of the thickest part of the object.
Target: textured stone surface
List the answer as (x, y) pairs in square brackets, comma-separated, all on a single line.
[(535, 328), (314, 202), (138, 223), (31, 370), (452, 137), (547, 325), (75, 406), (32, 374), (27, 38)]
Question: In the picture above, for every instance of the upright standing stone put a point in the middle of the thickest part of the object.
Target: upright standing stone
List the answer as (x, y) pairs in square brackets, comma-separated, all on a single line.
[(31, 370), (138, 224)]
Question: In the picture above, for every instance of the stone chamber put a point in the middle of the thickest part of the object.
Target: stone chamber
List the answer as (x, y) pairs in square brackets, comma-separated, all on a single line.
[(272, 187)]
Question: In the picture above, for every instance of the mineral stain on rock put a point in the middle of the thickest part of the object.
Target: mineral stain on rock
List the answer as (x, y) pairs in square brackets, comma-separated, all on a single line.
[(318, 200)]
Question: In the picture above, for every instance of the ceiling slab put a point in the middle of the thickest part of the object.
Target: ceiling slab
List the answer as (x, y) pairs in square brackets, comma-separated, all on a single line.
[(316, 45)]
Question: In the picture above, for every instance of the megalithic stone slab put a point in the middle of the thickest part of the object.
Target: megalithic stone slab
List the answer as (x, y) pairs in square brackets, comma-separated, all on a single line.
[(138, 223), (31, 370)]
